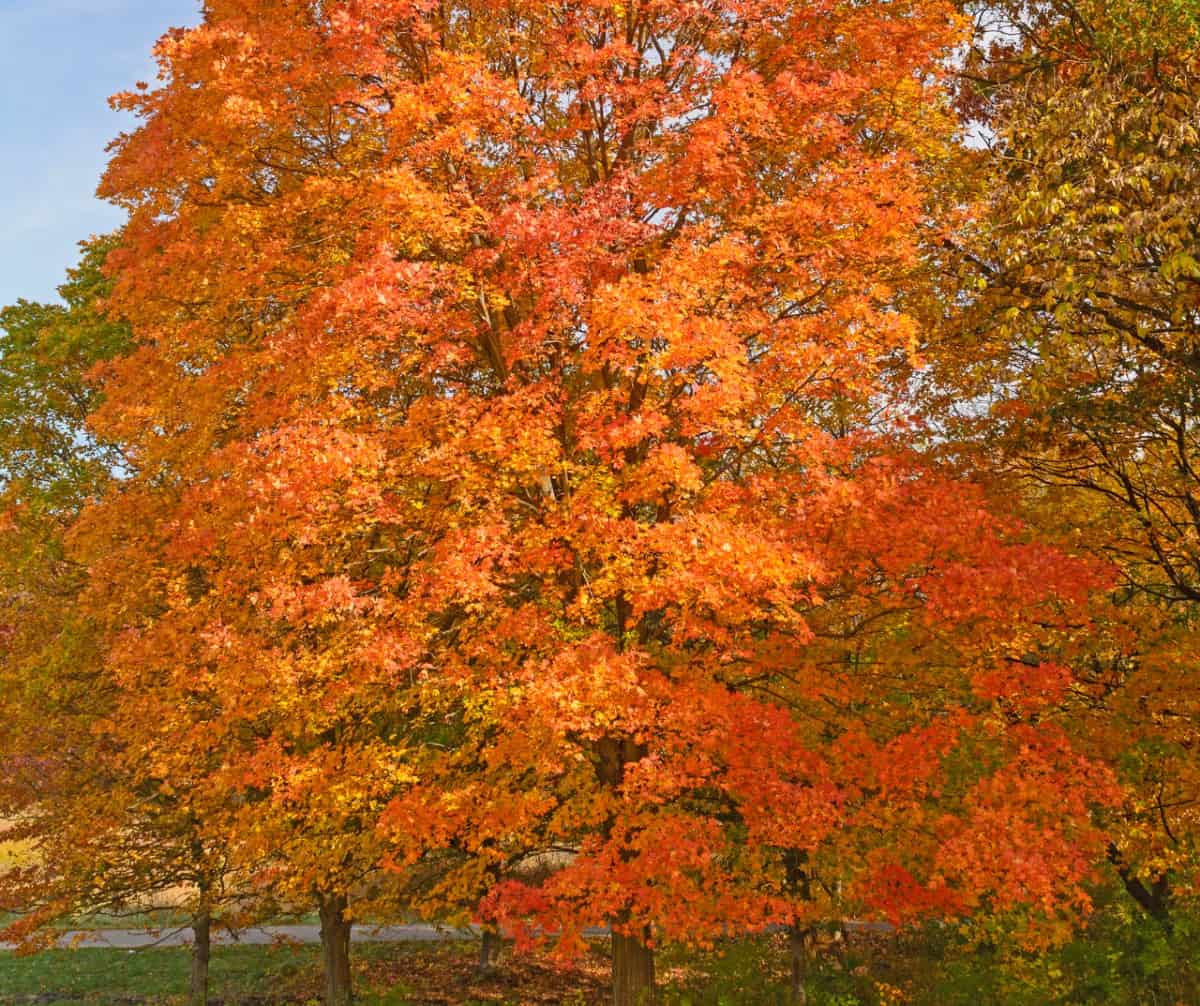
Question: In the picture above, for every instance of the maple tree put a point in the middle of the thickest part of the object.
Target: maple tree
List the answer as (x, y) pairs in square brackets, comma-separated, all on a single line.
[(536, 345), (101, 834), (518, 491), (47, 473), (228, 709), (1082, 343), (49, 467)]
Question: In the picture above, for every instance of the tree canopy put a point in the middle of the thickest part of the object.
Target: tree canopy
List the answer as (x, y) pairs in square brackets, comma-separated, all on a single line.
[(626, 464)]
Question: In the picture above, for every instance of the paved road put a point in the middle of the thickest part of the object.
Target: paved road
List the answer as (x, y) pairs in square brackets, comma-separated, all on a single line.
[(137, 939), (141, 939)]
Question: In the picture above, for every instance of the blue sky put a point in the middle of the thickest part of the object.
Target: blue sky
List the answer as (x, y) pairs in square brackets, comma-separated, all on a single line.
[(59, 62)]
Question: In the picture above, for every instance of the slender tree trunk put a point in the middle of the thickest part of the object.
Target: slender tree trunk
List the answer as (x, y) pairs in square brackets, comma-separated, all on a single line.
[(1153, 900), (201, 954), (632, 971), (800, 938), (799, 942), (335, 949)]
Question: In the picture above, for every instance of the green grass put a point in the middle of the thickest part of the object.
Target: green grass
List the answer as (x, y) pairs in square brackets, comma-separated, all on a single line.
[(1120, 960), (105, 976)]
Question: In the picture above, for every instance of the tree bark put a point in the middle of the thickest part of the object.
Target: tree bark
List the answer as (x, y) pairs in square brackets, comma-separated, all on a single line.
[(489, 951), (201, 955), (633, 961), (632, 971), (800, 948), (800, 938), (335, 949), (1154, 900)]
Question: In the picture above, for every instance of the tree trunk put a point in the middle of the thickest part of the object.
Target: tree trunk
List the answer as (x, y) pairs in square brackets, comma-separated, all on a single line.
[(632, 971), (633, 960), (489, 951), (799, 940), (335, 949), (201, 954)]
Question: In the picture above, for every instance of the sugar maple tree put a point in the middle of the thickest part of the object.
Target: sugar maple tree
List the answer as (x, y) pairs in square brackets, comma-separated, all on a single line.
[(103, 831), (48, 471), (512, 411), (283, 710)]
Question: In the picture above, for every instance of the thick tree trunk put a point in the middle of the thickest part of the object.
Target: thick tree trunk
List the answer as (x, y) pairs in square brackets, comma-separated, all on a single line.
[(201, 954), (632, 971), (489, 952), (633, 961), (335, 949)]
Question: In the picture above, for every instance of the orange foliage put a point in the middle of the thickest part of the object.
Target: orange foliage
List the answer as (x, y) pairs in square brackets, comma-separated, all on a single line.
[(519, 467)]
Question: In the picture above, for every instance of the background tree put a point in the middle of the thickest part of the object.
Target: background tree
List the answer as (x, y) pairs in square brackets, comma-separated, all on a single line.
[(104, 836), (1080, 352)]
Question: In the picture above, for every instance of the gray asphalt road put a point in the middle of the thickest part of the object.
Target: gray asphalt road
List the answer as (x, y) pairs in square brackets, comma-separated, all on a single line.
[(138, 939), (141, 939)]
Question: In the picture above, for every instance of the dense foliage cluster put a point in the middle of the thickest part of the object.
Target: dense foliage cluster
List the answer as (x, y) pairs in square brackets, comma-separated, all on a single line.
[(644, 465)]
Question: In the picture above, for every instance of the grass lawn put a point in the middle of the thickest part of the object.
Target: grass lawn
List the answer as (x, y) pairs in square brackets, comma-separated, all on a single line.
[(112, 976), (413, 974), (742, 973), (386, 975), (1119, 961)]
